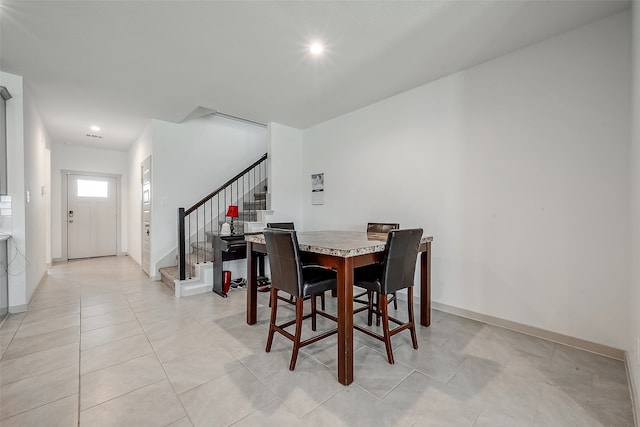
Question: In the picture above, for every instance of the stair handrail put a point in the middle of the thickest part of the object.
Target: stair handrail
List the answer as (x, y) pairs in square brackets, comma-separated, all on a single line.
[(184, 213), (225, 185)]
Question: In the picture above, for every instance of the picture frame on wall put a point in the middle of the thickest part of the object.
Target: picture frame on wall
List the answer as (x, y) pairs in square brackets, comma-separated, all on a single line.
[(317, 188)]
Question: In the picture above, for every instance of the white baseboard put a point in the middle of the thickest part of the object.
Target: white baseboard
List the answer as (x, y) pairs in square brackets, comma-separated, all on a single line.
[(605, 350), (25, 307), (633, 387), (188, 287), (55, 261), (18, 309)]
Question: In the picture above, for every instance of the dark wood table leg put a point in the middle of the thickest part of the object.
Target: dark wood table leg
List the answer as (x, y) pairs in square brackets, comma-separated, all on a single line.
[(425, 286), (345, 321), (218, 288), (252, 285), (260, 264)]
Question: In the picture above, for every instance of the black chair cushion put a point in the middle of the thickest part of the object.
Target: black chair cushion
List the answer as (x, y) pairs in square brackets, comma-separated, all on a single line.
[(368, 277), (317, 280)]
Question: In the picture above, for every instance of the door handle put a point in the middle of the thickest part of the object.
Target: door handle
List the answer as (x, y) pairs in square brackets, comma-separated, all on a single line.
[(70, 220)]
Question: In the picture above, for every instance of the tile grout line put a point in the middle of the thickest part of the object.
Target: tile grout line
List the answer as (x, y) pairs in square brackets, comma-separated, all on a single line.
[(13, 335), (168, 378), (398, 384), (33, 376)]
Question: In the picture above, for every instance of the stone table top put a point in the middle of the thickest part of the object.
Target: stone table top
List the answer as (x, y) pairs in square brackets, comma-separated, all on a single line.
[(344, 244)]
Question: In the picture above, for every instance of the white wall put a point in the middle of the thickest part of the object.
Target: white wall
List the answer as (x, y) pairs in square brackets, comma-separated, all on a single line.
[(285, 160), (634, 300), (518, 168), (37, 183), (90, 160), (189, 160), (27, 170)]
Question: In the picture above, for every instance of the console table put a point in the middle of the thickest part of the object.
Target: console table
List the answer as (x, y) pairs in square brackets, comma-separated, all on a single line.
[(227, 248)]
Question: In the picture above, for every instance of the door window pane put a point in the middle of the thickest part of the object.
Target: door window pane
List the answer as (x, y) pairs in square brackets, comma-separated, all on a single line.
[(146, 193), (93, 188)]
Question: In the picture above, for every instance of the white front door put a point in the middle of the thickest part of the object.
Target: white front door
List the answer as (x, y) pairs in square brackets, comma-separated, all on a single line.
[(145, 173), (91, 216)]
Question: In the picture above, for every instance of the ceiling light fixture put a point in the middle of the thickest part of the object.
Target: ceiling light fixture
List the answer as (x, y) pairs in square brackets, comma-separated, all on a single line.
[(316, 48), (95, 128)]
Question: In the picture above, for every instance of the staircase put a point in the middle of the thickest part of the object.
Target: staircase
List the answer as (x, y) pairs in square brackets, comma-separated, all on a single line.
[(251, 218), (248, 191)]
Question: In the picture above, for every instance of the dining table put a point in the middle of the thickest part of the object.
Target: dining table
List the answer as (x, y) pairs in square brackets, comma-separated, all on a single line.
[(343, 251)]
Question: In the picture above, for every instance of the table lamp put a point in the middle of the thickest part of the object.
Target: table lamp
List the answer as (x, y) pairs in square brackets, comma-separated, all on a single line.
[(232, 212)]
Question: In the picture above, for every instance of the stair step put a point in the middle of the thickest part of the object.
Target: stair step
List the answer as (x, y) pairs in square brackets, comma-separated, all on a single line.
[(247, 215), (254, 205), (200, 252), (168, 275), (260, 196)]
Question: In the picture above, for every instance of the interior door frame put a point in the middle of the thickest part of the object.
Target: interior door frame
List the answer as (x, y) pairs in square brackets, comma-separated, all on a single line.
[(65, 207)]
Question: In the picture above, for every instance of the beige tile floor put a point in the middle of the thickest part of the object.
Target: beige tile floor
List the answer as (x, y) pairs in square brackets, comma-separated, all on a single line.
[(101, 345)]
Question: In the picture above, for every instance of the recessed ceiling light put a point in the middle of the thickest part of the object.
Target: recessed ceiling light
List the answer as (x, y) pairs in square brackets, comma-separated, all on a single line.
[(95, 128), (316, 48)]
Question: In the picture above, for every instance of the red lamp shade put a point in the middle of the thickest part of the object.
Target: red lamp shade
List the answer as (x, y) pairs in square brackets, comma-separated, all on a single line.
[(232, 211)]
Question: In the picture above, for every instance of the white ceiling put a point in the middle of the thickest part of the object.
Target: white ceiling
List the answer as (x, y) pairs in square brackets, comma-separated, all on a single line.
[(118, 64)]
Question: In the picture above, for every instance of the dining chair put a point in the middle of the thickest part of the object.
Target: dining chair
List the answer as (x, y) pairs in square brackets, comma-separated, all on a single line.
[(375, 227), (395, 272), (282, 225), (382, 227), (289, 226), (290, 275)]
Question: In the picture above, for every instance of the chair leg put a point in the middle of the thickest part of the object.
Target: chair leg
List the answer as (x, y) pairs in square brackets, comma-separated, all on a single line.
[(273, 302), (378, 311), (412, 328), (313, 312), (395, 301), (298, 334), (322, 301), (370, 296), (384, 308)]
